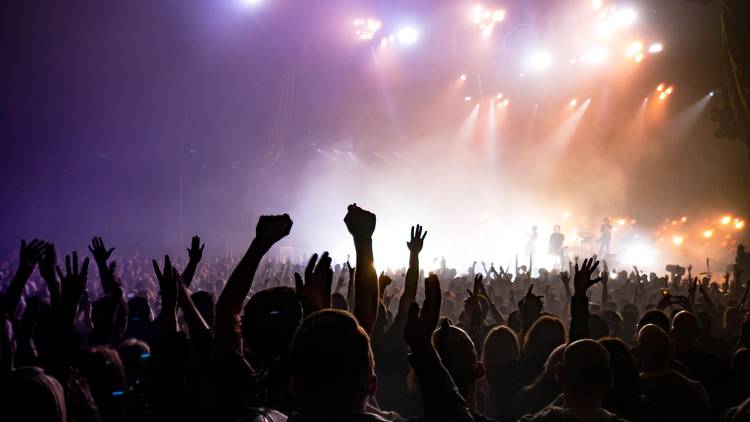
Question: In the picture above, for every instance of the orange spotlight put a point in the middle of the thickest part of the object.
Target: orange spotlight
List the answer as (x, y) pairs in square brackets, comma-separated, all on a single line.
[(669, 90), (639, 58), (662, 96), (660, 88), (708, 233), (678, 240), (739, 225), (573, 102), (683, 219), (726, 219)]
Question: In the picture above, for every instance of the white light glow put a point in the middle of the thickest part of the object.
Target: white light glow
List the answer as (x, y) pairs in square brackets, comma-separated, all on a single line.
[(407, 35), (656, 47), (540, 61)]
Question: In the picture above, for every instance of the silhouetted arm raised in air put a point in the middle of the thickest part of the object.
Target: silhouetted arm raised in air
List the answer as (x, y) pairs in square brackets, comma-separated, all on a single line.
[(270, 229), (579, 306), (361, 225)]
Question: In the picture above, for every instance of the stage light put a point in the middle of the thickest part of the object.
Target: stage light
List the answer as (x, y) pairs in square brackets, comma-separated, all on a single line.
[(739, 225), (678, 240), (498, 15), (505, 102), (597, 54), (708, 233), (540, 61), (669, 90), (639, 58), (500, 95), (462, 77), (467, 99), (487, 31), (683, 219), (656, 47), (573, 102), (365, 29), (621, 222), (633, 49), (407, 35), (251, 3), (384, 42), (627, 17), (662, 96), (596, 4), (711, 94), (660, 88), (726, 219)]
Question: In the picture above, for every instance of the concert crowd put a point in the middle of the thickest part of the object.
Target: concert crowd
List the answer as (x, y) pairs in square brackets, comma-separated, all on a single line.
[(105, 337)]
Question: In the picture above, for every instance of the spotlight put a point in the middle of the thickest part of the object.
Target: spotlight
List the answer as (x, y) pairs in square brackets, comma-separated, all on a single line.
[(505, 102), (365, 29), (540, 61), (711, 94), (660, 88), (462, 77), (627, 17), (251, 2), (678, 240), (467, 99), (708, 233), (726, 219), (669, 90), (633, 49), (656, 47), (662, 96), (573, 102), (596, 4), (739, 225), (639, 58), (407, 35), (500, 95)]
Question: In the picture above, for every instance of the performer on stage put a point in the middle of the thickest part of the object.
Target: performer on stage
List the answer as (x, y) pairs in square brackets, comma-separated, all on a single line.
[(605, 239), (556, 240), (531, 243)]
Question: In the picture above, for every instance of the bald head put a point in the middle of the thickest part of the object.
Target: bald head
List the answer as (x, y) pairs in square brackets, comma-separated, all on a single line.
[(685, 327), (654, 348), (585, 370)]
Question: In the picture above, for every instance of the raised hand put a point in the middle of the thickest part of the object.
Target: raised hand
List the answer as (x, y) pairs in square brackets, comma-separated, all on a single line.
[(583, 280), (565, 278), (30, 255), (47, 263), (315, 291), (73, 283), (99, 251), (420, 324), (195, 251), (169, 289), (359, 222), (383, 282), (272, 228), (417, 239)]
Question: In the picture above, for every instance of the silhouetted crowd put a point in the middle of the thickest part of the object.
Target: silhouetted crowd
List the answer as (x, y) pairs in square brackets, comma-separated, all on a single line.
[(256, 338)]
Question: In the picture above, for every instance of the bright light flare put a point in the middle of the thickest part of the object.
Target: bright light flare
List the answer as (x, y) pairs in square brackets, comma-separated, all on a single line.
[(708, 233), (365, 28), (660, 88), (639, 58), (467, 98), (486, 19), (540, 61), (678, 240), (462, 77), (739, 225), (407, 35), (251, 3), (596, 4), (573, 102), (656, 47), (597, 54), (626, 17), (726, 219), (669, 90), (633, 49), (662, 96)]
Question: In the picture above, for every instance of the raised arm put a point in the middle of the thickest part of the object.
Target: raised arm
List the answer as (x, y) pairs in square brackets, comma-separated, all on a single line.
[(440, 397), (361, 225), (270, 229), (195, 254), (29, 256), (101, 254), (411, 281), (579, 307), (314, 292)]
